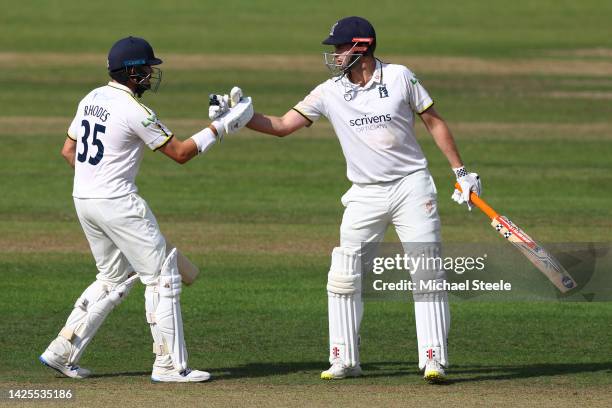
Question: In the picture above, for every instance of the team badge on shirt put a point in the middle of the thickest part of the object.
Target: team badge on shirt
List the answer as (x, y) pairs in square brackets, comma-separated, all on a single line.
[(382, 91), (150, 120)]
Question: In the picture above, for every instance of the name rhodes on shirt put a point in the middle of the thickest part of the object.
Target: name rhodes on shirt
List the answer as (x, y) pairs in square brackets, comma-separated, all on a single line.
[(97, 111), (370, 123)]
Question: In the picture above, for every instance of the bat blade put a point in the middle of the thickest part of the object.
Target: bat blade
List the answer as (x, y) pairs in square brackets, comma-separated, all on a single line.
[(535, 253), (188, 271)]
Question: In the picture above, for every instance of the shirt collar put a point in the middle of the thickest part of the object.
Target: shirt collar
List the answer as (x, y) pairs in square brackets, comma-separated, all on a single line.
[(117, 85), (377, 77)]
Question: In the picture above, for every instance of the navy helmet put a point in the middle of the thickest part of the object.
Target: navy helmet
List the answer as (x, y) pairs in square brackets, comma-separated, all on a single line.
[(352, 30), (131, 59), (131, 51)]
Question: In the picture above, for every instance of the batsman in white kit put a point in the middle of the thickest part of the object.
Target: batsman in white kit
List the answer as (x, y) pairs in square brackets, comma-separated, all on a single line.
[(105, 144), (371, 106)]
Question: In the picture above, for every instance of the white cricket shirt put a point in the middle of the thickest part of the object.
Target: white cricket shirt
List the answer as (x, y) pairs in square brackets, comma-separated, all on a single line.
[(374, 123), (111, 128)]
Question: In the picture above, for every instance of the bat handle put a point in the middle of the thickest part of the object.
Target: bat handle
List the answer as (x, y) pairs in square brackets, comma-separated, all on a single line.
[(480, 203)]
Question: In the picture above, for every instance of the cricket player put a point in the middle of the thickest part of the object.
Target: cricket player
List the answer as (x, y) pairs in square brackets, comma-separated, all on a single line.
[(105, 144), (371, 106)]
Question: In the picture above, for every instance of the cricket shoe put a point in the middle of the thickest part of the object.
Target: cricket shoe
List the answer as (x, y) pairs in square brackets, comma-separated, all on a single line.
[(338, 370), (50, 359), (188, 375), (434, 372)]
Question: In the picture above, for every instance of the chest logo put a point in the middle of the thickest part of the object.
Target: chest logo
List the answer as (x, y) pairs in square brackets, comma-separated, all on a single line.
[(383, 92)]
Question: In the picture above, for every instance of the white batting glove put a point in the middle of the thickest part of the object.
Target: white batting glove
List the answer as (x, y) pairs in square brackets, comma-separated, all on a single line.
[(238, 116), (220, 104), (235, 96), (230, 113), (469, 182), (217, 105)]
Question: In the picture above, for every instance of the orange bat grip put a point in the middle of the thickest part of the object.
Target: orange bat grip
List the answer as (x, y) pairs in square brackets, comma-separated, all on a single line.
[(480, 203)]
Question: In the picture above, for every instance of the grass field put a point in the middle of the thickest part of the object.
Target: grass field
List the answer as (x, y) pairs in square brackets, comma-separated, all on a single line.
[(527, 91)]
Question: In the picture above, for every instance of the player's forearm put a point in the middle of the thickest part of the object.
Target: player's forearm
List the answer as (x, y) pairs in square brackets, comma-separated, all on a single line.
[(187, 151), (272, 125), (446, 143), (70, 159), (181, 151), (69, 151)]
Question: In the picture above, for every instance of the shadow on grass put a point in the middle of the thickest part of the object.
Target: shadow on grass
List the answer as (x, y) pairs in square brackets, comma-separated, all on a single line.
[(125, 374), (471, 373), (254, 370), (387, 369)]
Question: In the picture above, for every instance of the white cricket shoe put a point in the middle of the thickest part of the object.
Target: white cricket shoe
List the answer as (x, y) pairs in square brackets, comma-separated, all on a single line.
[(434, 372), (338, 371), (188, 375), (51, 360)]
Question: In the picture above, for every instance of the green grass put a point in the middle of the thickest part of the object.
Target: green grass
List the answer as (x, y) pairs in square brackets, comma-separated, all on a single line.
[(260, 215), (247, 319), (473, 27)]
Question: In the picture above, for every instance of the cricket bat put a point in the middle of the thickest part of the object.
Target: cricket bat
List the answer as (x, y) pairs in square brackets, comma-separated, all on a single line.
[(188, 271), (537, 255)]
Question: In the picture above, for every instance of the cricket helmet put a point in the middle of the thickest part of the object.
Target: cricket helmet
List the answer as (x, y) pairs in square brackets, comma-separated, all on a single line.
[(128, 58), (350, 30)]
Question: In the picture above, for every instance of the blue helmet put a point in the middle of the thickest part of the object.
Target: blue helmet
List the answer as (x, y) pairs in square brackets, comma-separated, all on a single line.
[(350, 30), (129, 52), (130, 60)]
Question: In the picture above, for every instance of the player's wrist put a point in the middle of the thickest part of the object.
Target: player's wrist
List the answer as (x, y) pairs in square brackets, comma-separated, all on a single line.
[(204, 139), (460, 172)]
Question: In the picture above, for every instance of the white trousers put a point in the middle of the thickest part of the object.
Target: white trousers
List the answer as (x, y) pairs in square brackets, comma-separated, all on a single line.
[(124, 236), (410, 205)]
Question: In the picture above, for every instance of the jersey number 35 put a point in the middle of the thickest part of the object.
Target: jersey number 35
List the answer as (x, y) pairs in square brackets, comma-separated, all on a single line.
[(98, 128)]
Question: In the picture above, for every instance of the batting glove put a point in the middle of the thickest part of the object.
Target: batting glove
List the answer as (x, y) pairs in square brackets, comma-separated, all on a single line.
[(469, 182), (239, 114), (217, 105), (220, 104), (235, 96)]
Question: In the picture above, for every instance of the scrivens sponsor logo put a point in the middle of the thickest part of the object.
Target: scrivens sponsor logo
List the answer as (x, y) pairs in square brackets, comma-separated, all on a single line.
[(366, 122)]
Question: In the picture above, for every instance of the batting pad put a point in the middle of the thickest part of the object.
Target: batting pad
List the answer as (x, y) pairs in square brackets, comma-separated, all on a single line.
[(90, 311), (345, 307), (431, 310), (163, 308), (432, 316)]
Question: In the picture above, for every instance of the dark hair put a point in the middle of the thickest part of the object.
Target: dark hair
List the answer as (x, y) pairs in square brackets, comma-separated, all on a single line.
[(120, 75)]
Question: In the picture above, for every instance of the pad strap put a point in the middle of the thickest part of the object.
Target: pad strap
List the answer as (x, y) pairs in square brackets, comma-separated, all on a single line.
[(342, 284)]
